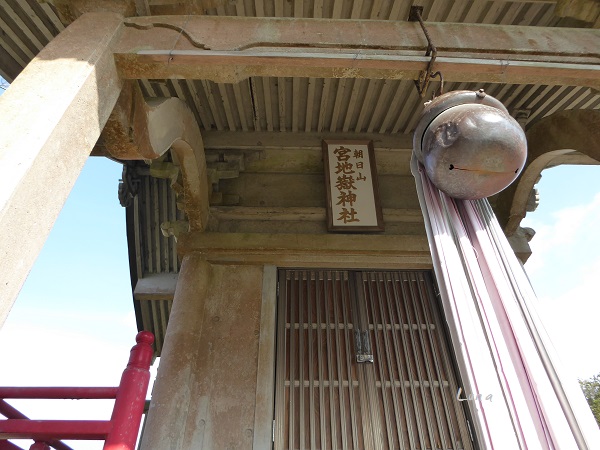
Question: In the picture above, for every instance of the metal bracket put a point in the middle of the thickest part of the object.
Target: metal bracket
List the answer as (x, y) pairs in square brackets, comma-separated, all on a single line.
[(363, 347), (425, 76)]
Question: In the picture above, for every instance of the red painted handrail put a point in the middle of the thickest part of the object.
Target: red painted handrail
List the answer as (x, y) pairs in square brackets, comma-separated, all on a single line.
[(11, 413), (69, 393), (119, 433)]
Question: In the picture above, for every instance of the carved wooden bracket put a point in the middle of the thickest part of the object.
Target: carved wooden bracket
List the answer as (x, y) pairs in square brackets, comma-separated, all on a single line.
[(223, 166), (140, 129)]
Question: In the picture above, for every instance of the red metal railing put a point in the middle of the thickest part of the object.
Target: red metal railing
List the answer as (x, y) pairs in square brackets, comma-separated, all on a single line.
[(118, 433)]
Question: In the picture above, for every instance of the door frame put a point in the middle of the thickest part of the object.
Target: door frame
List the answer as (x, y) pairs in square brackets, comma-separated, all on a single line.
[(265, 374)]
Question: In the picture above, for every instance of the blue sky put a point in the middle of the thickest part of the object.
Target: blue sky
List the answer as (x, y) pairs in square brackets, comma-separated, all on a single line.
[(565, 265), (73, 323), (80, 281)]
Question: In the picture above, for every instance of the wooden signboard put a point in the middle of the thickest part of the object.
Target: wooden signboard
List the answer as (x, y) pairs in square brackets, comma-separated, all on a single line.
[(351, 183)]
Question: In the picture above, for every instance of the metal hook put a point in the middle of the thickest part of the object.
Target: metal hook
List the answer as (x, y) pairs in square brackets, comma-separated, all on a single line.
[(441, 77), (426, 75)]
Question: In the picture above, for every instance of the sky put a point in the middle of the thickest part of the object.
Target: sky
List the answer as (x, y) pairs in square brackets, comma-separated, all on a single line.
[(73, 322), (565, 265)]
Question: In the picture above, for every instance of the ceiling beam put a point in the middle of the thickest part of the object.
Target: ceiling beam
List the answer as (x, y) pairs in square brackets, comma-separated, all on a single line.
[(260, 140), (230, 49)]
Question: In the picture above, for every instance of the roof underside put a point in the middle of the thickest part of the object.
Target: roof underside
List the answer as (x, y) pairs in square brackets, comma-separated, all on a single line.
[(344, 105), (311, 104)]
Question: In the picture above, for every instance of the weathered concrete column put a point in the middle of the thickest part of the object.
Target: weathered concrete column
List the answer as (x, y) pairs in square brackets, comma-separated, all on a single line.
[(52, 116), (205, 391)]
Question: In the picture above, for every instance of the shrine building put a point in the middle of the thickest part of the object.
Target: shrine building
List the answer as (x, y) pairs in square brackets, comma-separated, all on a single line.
[(277, 246)]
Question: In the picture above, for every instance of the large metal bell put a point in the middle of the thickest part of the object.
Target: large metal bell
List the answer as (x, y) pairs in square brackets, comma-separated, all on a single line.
[(469, 144)]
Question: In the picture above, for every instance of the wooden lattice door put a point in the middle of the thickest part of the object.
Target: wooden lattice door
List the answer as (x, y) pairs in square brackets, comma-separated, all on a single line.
[(363, 363)]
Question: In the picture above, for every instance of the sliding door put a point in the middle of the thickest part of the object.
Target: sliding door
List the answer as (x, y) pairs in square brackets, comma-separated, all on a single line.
[(363, 363)]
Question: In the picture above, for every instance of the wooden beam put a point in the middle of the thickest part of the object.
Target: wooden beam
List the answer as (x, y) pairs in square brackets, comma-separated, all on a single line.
[(226, 140), (158, 7), (222, 33), (307, 214), (310, 250), (230, 49), (156, 286)]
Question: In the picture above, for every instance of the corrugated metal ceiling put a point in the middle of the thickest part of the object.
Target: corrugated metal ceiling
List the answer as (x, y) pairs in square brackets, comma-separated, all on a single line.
[(343, 105)]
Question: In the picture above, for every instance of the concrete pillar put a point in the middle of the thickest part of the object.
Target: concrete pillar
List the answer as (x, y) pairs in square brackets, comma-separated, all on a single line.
[(52, 116), (205, 391)]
